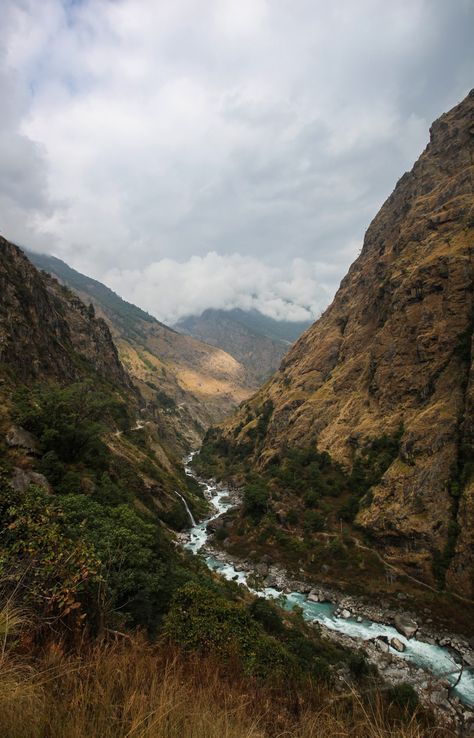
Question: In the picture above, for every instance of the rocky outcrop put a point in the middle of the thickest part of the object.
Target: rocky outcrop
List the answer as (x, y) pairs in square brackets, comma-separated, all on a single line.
[(393, 354), (46, 331)]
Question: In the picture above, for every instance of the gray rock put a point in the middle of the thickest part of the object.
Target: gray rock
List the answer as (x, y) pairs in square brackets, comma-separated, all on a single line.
[(405, 625), (397, 645), (313, 596), (271, 581), (23, 478), (262, 569), (20, 438), (346, 614), (359, 619), (381, 645)]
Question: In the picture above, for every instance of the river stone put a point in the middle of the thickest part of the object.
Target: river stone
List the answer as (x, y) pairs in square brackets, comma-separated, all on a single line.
[(262, 569), (397, 645), (345, 614), (381, 645), (405, 625), (313, 596), (359, 619)]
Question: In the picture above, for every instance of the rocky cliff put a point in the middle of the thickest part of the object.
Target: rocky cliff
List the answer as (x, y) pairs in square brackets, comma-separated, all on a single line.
[(392, 357), (45, 328)]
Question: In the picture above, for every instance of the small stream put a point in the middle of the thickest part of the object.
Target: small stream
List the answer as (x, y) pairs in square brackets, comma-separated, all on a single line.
[(432, 658)]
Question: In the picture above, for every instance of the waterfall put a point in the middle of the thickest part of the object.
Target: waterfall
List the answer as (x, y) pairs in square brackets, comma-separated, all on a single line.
[(191, 517)]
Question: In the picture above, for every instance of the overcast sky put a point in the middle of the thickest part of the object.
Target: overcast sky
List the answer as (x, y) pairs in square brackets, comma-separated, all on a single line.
[(217, 153)]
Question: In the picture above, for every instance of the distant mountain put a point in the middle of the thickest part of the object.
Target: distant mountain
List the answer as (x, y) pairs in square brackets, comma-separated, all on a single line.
[(253, 339), (196, 384)]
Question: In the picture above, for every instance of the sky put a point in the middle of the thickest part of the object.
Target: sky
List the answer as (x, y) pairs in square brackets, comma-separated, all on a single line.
[(217, 153)]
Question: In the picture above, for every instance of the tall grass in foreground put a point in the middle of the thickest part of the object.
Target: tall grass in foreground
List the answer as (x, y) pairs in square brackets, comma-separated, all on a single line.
[(131, 689)]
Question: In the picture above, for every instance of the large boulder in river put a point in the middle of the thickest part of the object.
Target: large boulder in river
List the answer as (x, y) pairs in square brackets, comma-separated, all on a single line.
[(405, 625), (397, 645)]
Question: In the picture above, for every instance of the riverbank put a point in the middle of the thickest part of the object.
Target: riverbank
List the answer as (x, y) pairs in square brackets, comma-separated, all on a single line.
[(353, 623)]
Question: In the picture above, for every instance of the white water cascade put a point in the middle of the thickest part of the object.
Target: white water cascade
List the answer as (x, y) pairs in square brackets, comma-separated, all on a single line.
[(190, 515), (431, 657)]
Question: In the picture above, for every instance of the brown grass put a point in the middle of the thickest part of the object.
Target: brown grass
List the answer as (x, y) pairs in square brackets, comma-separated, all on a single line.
[(131, 689)]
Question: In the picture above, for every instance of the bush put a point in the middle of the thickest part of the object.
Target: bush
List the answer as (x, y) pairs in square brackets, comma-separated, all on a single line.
[(255, 500), (404, 696), (266, 614), (201, 620), (358, 665)]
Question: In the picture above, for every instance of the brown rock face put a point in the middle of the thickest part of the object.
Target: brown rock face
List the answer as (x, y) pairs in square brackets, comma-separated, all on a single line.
[(44, 328), (394, 349)]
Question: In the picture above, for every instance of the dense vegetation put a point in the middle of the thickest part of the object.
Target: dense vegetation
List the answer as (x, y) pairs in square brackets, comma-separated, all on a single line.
[(84, 556), (300, 509)]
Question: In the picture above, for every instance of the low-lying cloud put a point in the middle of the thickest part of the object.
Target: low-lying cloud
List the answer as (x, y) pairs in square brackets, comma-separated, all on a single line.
[(171, 290)]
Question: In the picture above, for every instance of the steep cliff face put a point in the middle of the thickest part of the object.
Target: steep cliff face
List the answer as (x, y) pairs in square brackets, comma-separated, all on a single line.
[(392, 354), (45, 328)]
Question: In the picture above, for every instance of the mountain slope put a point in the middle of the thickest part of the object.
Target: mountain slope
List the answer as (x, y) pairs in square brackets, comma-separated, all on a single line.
[(390, 363), (253, 339), (189, 382), (50, 339)]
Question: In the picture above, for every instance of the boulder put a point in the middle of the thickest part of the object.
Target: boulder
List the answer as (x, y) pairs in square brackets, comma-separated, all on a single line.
[(381, 645), (397, 645), (214, 525), (271, 581), (346, 614), (313, 596), (405, 625), (17, 437), (261, 569), (23, 478)]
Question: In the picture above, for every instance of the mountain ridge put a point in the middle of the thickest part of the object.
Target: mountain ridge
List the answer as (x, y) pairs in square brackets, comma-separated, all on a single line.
[(255, 340), (392, 355)]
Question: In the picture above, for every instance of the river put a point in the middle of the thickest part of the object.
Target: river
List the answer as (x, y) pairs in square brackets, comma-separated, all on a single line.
[(430, 657)]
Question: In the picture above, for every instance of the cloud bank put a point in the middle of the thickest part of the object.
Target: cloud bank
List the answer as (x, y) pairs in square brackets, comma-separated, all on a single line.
[(137, 133), (171, 290)]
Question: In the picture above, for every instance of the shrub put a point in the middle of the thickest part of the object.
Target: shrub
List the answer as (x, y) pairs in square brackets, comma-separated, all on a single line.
[(255, 500), (405, 697), (201, 620)]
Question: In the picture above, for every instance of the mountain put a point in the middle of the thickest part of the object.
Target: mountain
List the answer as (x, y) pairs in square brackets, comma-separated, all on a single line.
[(256, 341), (48, 339), (190, 383), (383, 381)]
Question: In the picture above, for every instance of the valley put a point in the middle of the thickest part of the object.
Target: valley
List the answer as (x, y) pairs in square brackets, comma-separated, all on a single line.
[(314, 550)]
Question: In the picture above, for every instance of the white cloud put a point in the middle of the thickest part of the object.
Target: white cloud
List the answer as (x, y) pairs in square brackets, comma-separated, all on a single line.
[(171, 290), (150, 130)]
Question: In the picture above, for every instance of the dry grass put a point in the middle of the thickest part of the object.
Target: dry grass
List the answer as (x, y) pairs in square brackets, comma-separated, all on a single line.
[(130, 689)]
